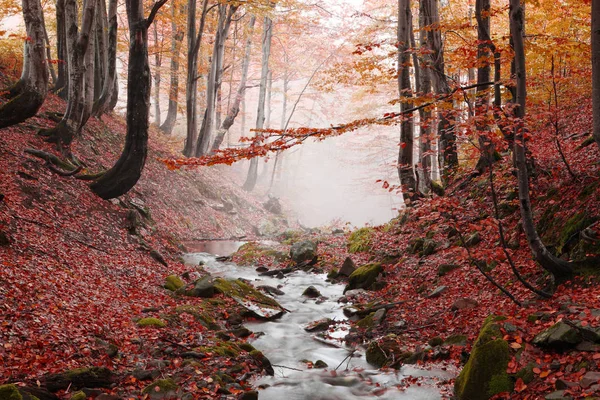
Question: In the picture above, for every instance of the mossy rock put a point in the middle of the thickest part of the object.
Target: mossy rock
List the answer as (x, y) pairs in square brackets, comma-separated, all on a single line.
[(473, 240), (200, 315), (429, 247), (484, 375), (246, 347), (249, 253), (380, 353), (319, 364), (526, 373), (456, 340), (256, 302), (94, 377), (153, 322), (437, 189), (367, 322), (559, 336), (361, 240), (363, 277), (10, 392), (173, 283), (444, 269), (570, 231), (290, 237), (415, 245), (80, 395), (161, 389), (230, 350), (436, 341)]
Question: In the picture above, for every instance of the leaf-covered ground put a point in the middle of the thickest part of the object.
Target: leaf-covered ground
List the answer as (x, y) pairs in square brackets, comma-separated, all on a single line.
[(77, 272)]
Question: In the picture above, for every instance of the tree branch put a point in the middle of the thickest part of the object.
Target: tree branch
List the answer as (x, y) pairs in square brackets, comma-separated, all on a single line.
[(154, 11)]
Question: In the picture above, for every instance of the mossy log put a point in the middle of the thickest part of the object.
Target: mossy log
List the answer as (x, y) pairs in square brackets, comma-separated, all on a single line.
[(95, 377)]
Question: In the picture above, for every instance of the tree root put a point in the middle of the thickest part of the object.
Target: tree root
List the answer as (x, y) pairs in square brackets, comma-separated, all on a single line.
[(62, 167)]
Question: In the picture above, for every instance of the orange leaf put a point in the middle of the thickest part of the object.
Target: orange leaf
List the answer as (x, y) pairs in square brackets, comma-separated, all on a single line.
[(536, 370)]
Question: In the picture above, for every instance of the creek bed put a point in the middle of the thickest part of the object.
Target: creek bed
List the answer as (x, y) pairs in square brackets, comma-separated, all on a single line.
[(285, 343)]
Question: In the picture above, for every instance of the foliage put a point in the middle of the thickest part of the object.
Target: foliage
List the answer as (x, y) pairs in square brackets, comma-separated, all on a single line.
[(360, 240)]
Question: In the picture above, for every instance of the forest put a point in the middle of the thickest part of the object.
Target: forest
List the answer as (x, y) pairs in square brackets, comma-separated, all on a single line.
[(221, 199)]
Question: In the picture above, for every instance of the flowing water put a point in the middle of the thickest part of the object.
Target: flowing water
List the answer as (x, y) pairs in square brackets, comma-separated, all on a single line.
[(285, 343)]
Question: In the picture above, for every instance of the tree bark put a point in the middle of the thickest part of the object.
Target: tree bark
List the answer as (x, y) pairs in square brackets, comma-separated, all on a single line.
[(260, 118), (89, 78), (33, 85), (214, 77), (157, 66), (560, 269), (191, 88), (110, 88), (127, 170), (169, 123), (101, 61), (425, 89), (596, 69), (405, 154), (61, 87), (241, 90)]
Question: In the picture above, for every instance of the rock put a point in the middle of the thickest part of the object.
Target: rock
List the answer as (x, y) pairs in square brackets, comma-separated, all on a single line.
[(250, 395), (463, 304), (204, 287), (363, 277), (106, 396), (145, 374), (437, 292), (320, 364), (337, 231), (263, 361), (559, 336), (95, 377), (590, 378), (4, 239), (381, 352), (241, 332), (444, 269), (563, 385), (415, 245), (379, 316), (254, 301), (273, 205), (558, 395), (161, 389), (319, 325), (456, 340), (311, 292), (304, 252), (173, 283), (158, 257), (80, 395), (484, 374), (473, 240), (587, 346), (348, 267), (429, 247), (435, 341), (261, 269)]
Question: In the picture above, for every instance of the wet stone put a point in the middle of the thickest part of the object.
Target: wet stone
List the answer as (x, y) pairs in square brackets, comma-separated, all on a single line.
[(311, 292)]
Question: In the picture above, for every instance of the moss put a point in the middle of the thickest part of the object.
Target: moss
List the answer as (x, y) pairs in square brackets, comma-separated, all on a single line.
[(173, 282), (249, 253), (444, 269), (415, 245), (429, 247), (456, 340), (484, 375), (571, 228), (290, 237), (166, 387), (200, 315), (587, 142), (526, 373), (436, 341), (360, 240), (363, 277), (588, 190), (333, 274), (366, 322), (155, 322), (246, 347), (80, 395), (10, 392), (379, 353), (437, 188), (238, 289), (223, 349)]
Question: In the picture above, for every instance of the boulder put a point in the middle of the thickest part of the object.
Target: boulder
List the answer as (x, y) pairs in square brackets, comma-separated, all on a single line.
[(381, 352), (558, 395), (319, 325), (320, 364), (254, 301), (429, 247), (273, 291), (311, 292), (348, 267), (249, 395), (484, 374), (204, 287), (273, 205), (173, 283), (559, 336), (161, 389), (437, 292), (590, 378), (363, 277), (444, 269), (304, 252)]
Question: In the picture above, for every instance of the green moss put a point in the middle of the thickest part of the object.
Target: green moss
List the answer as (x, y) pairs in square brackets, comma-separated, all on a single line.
[(223, 349), (571, 228), (437, 188), (429, 247), (526, 373), (237, 288), (436, 341), (155, 322), (80, 395), (173, 282), (587, 142), (246, 347), (484, 375), (165, 387), (200, 315), (10, 392), (415, 245), (249, 253), (379, 353), (363, 277), (588, 190), (290, 237), (366, 322), (360, 240)]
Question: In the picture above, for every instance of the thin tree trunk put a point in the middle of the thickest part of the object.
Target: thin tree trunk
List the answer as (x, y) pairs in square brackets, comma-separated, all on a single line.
[(268, 100), (214, 78), (191, 88), (33, 86), (48, 52), (61, 87), (157, 65), (560, 269), (101, 62), (89, 77), (127, 170), (405, 154), (596, 69), (169, 124), (241, 90), (260, 119), (425, 88), (110, 88)]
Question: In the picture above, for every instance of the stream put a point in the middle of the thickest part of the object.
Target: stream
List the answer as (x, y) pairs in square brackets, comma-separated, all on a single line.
[(285, 342)]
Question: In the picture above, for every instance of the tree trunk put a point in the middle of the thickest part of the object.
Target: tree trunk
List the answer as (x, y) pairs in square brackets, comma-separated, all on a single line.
[(241, 90), (61, 87), (127, 170), (191, 88), (157, 65), (48, 52), (77, 43), (33, 85), (169, 124), (214, 77), (560, 269), (596, 68), (110, 88), (260, 118), (89, 77), (425, 88), (101, 61), (405, 154)]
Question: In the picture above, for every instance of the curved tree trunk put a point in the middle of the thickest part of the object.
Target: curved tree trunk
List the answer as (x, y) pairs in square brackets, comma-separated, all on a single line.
[(235, 107), (560, 269), (169, 123), (71, 124), (110, 87), (405, 154), (252, 176), (33, 85), (126, 172)]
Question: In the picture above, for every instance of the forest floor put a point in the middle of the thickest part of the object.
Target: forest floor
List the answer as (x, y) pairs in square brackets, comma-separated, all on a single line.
[(80, 276)]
